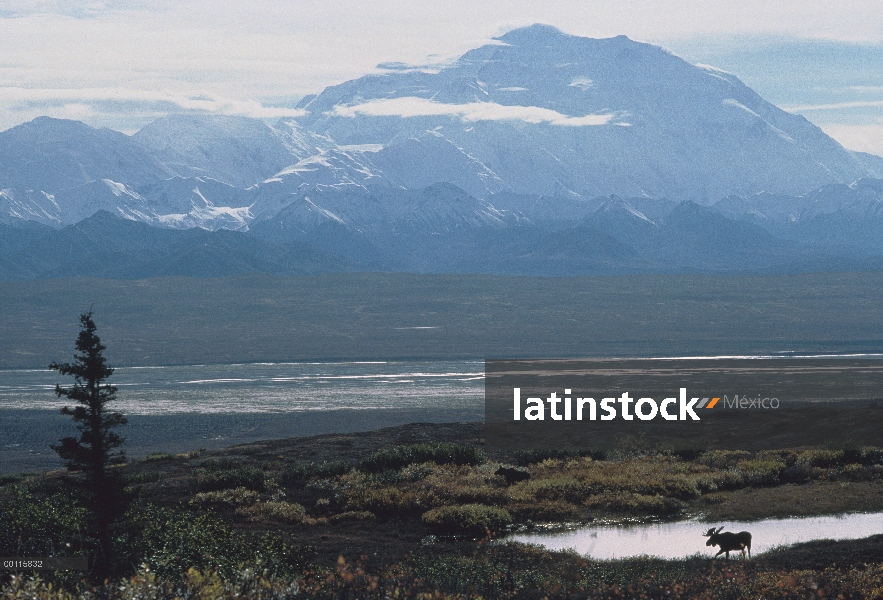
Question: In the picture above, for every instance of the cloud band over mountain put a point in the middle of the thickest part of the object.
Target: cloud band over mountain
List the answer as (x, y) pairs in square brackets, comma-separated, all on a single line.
[(410, 106)]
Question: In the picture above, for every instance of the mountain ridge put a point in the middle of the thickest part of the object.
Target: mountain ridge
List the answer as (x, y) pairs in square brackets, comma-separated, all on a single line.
[(615, 145)]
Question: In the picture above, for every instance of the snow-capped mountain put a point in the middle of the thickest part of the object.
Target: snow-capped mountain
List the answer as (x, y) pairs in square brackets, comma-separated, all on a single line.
[(536, 112), (538, 153), (235, 150), (546, 113), (47, 155)]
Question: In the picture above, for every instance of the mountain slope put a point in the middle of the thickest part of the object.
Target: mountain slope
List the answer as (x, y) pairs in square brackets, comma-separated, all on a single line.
[(235, 150), (542, 112), (52, 154)]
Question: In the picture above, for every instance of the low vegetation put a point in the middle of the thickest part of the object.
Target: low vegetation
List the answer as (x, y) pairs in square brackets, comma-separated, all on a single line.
[(416, 520)]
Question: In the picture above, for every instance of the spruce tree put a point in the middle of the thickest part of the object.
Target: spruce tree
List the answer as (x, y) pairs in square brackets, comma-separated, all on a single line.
[(97, 448)]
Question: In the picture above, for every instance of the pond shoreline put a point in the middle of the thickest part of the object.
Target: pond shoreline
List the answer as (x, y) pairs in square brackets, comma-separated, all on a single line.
[(662, 539)]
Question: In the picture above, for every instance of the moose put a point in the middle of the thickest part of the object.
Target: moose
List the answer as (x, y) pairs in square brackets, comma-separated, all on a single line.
[(729, 541), (512, 475)]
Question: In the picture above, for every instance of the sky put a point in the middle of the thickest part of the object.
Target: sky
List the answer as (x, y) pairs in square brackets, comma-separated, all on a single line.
[(123, 63)]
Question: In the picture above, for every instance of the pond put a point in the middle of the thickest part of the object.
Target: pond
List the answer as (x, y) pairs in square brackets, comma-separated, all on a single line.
[(684, 538)]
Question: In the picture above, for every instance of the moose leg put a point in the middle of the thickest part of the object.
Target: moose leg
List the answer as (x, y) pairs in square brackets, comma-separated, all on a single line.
[(721, 551)]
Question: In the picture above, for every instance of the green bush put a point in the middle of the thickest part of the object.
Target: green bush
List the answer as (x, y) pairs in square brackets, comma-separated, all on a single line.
[(236, 497), (443, 454), (532, 456), (761, 471), (641, 504), (723, 459), (682, 450), (283, 512), (385, 502), (7, 479), (824, 458), (556, 487), (145, 477), (322, 470), (34, 524), (551, 511), (872, 456), (227, 474), (352, 515), (173, 541), (469, 518), (158, 456)]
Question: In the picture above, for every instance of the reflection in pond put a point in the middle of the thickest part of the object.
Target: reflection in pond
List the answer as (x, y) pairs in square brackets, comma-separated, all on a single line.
[(684, 538)]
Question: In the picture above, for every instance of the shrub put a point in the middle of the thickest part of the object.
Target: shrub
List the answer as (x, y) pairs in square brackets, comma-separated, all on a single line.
[(443, 454), (389, 501), (761, 471), (532, 456), (226, 474), (416, 472), (872, 456), (236, 497), (799, 472), (36, 525), (824, 458), (145, 477), (683, 451), (469, 518), (285, 512), (556, 487), (551, 511), (7, 479), (353, 515), (322, 470), (158, 456), (723, 459), (642, 504), (714, 498), (854, 472), (173, 541)]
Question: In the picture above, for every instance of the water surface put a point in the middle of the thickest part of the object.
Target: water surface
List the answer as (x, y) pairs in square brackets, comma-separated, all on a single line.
[(267, 387), (684, 538)]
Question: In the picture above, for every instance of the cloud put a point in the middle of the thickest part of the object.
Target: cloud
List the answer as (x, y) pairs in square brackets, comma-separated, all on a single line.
[(88, 103), (473, 111), (79, 8), (834, 105), (861, 138)]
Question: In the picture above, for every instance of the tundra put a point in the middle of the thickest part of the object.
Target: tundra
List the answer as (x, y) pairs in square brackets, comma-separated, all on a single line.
[(729, 541)]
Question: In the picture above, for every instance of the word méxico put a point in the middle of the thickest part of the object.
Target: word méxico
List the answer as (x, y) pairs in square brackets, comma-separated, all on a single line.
[(747, 402), (645, 409)]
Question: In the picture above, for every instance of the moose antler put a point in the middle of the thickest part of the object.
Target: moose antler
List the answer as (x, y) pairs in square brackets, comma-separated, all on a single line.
[(719, 529), (709, 532)]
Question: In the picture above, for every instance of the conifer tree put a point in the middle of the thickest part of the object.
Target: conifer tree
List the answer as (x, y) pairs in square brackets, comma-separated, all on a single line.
[(98, 447)]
